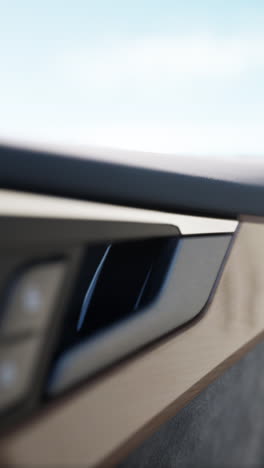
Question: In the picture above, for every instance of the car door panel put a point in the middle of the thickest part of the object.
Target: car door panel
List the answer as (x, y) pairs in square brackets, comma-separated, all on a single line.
[(122, 402)]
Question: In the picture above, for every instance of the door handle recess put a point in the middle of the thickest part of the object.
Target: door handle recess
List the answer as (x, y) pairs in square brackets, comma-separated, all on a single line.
[(187, 277)]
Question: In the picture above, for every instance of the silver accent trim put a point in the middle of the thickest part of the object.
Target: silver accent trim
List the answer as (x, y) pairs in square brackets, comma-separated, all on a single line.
[(15, 203), (90, 290)]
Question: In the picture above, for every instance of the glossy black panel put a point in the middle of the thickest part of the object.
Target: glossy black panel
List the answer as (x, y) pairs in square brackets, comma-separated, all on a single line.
[(179, 190)]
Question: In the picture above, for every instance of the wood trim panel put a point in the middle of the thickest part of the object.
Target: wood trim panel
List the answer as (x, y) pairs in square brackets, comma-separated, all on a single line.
[(106, 418)]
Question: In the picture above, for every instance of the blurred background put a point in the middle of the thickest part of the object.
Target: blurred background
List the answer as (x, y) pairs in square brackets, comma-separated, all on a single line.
[(164, 76)]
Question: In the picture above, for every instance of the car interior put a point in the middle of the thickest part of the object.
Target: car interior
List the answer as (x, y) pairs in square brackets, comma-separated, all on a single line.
[(131, 235)]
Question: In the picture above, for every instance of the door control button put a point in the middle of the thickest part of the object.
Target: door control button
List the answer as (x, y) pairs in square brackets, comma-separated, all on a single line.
[(17, 362), (31, 299)]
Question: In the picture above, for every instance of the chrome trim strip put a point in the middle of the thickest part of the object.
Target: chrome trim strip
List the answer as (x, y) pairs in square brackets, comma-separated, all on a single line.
[(90, 290), (23, 204)]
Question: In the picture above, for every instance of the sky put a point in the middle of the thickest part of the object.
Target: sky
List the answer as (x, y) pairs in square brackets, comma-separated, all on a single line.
[(164, 76)]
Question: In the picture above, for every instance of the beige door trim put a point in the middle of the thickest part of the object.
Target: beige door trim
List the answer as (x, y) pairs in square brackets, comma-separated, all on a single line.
[(106, 418)]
